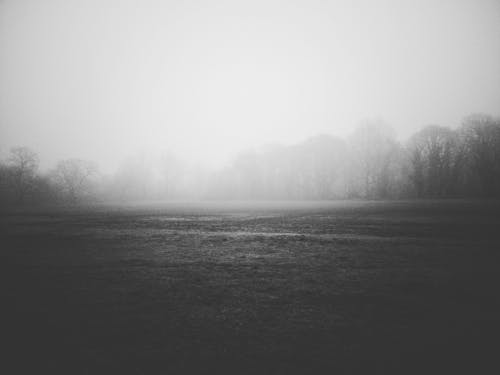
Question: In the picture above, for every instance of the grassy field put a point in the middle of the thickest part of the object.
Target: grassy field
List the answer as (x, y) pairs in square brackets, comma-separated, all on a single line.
[(268, 288)]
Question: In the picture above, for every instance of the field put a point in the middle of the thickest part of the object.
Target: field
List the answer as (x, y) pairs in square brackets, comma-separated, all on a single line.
[(240, 288)]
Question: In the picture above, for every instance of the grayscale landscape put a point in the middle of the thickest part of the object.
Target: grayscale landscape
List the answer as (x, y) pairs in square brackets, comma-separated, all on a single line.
[(249, 187)]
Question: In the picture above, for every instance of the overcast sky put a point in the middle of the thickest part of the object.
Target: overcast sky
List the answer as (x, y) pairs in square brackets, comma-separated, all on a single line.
[(103, 79)]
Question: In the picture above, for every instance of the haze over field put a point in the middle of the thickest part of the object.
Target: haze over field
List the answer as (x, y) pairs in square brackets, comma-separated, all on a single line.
[(102, 80), (249, 187)]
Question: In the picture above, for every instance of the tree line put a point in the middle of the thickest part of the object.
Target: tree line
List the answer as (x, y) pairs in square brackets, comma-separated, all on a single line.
[(435, 162)]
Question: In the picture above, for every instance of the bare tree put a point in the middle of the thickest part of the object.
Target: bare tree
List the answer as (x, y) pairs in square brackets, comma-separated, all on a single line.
[(373, 160), (322, 159), (133, 179), (23, 163), (481, 138), (435, 159), (171, 170), (73, 176)]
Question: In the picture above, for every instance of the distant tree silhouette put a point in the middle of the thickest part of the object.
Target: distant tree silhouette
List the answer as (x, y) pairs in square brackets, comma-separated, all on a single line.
[(133, 179), (373, 164), (72, 176), (436, 162), (435, 158), (481, 137), (23, 166)]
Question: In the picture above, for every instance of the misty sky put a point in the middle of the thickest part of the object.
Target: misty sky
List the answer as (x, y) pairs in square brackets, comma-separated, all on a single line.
[(104, 79)]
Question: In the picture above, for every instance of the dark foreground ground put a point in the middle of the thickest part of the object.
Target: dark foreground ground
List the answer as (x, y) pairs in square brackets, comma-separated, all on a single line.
[(346, 287)]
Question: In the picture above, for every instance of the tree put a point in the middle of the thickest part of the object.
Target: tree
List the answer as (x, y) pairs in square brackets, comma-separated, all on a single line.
[(73, 176), (480, 134), (23, 165), (133, 179), (435, 161), (321, 161), (172, 173), (4, 184), (374, 161)]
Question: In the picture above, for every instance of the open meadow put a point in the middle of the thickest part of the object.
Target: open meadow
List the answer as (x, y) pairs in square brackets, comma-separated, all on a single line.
[(252, 288)]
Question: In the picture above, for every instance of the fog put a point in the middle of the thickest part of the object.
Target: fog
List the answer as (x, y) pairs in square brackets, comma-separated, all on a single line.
[(108, 80)]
